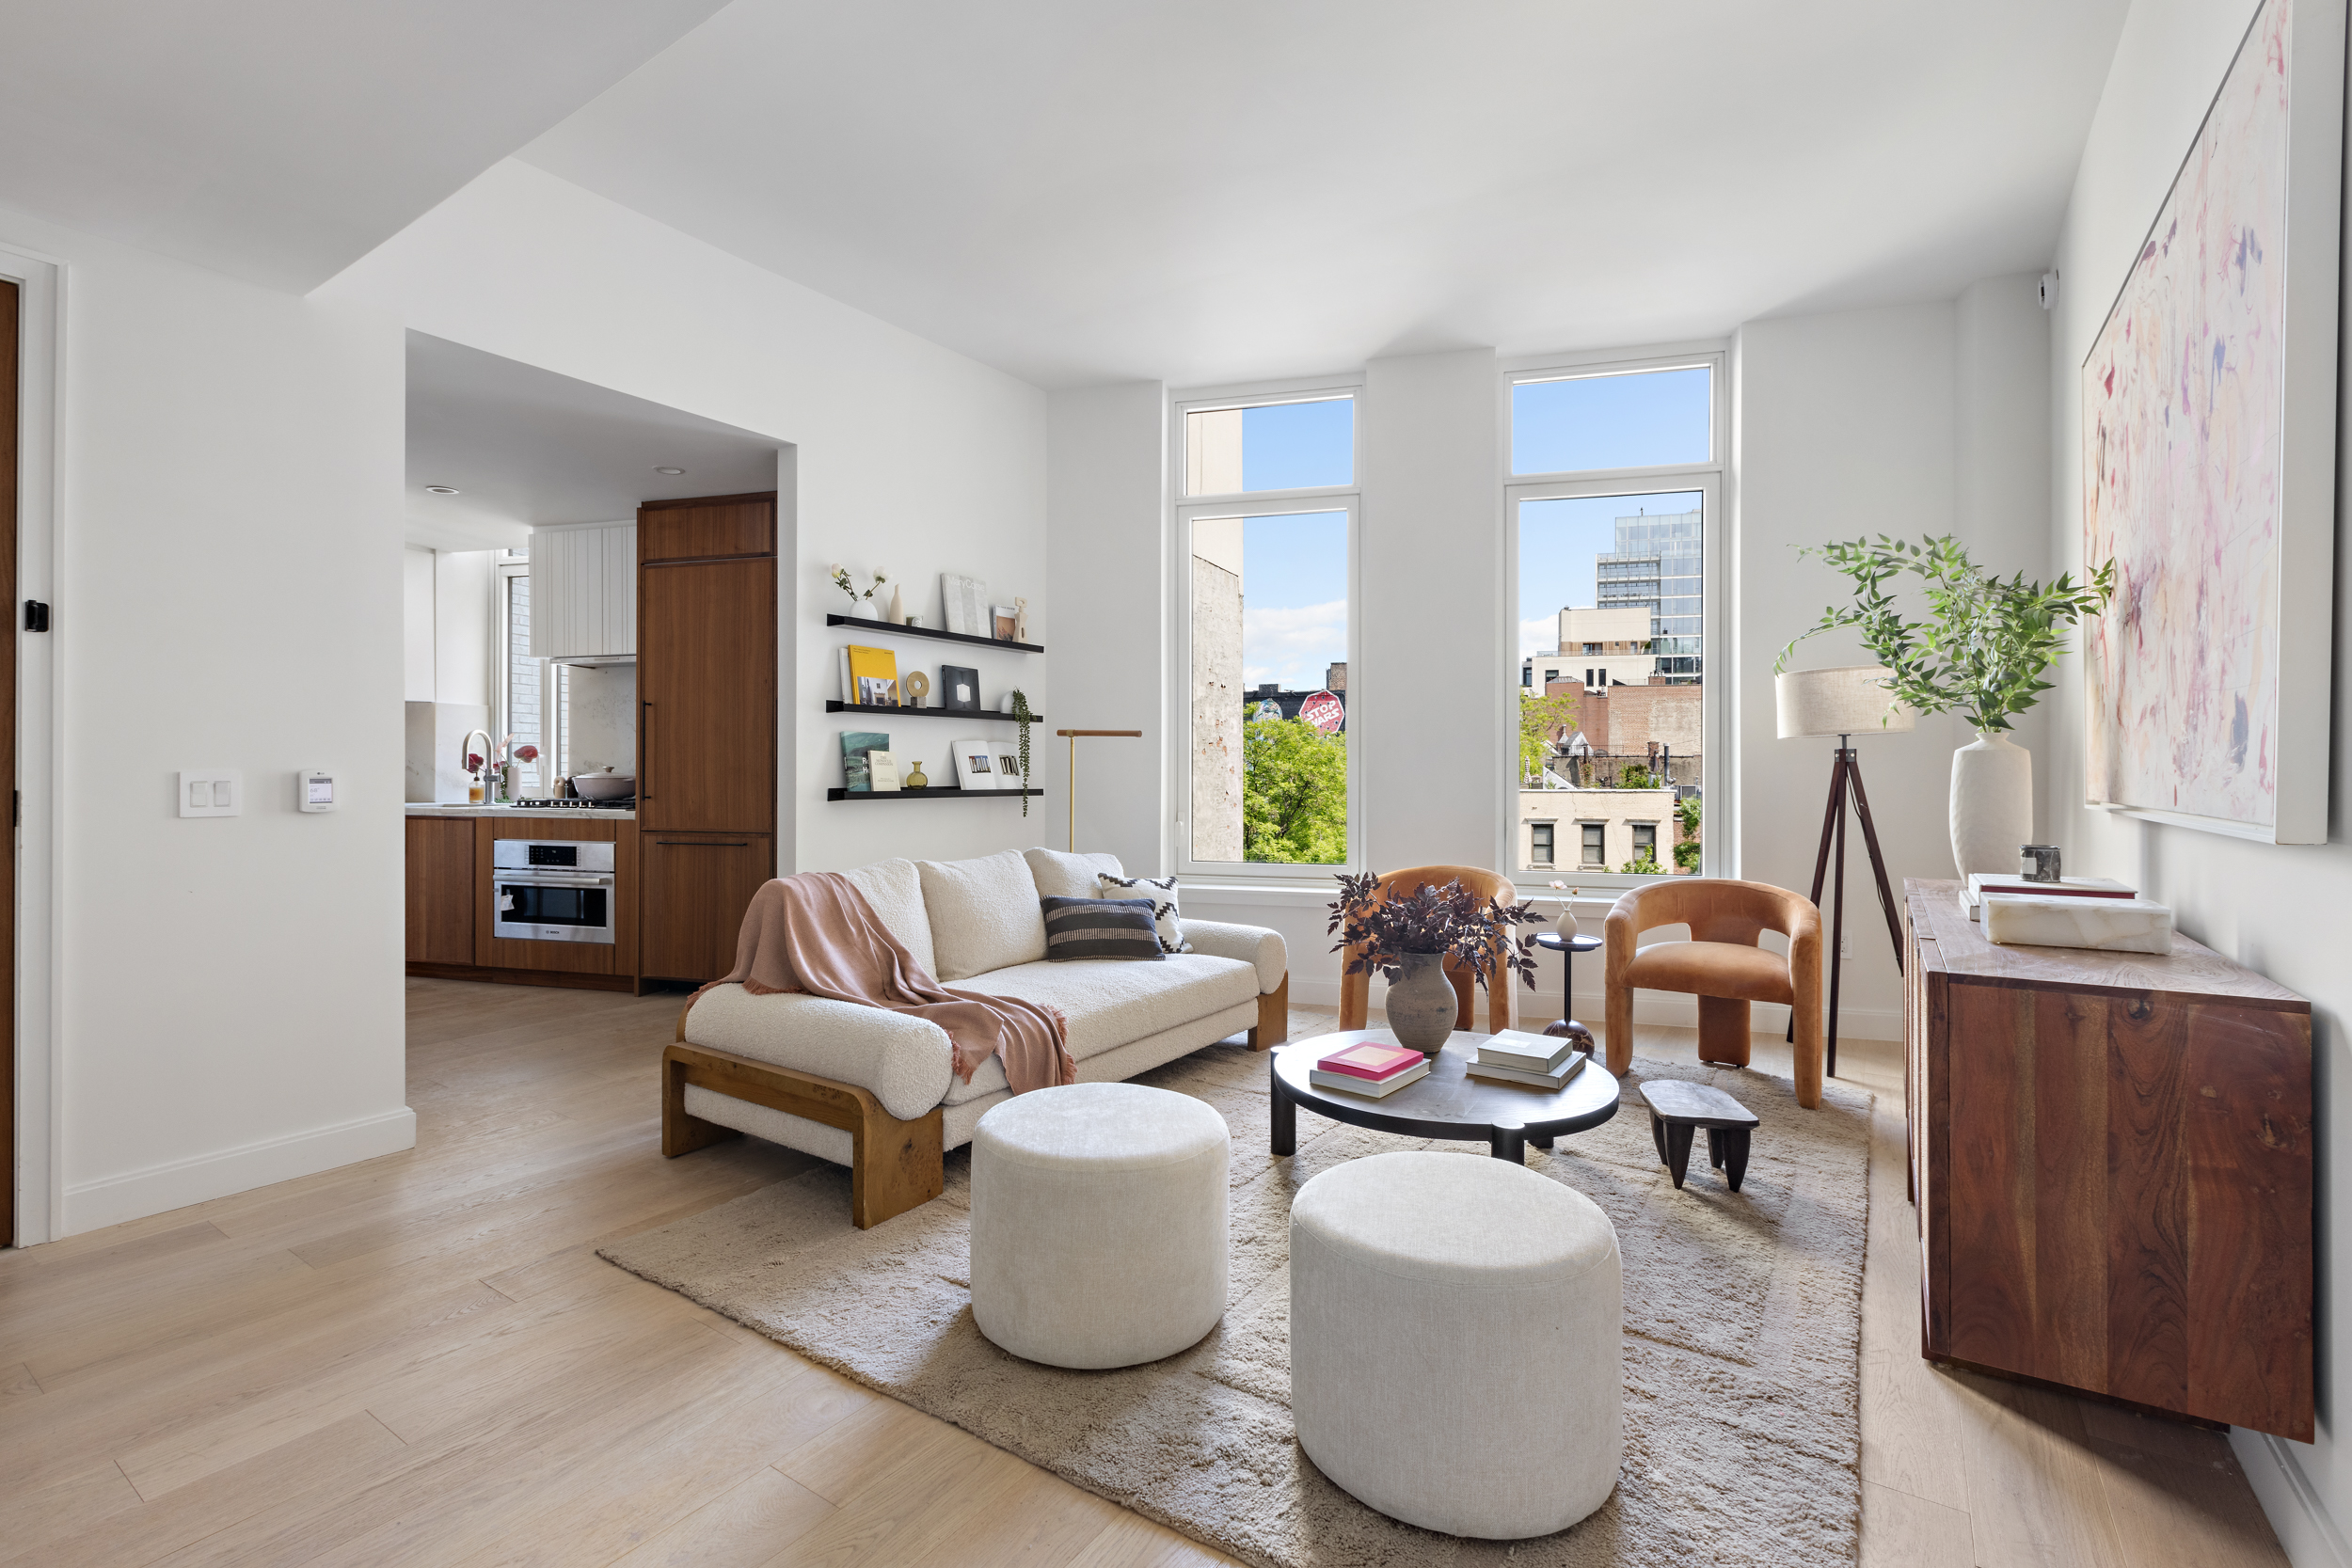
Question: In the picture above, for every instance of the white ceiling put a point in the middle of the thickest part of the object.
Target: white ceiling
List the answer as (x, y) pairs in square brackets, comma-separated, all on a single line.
[(281, 140), (523, 446), (1086, 190)]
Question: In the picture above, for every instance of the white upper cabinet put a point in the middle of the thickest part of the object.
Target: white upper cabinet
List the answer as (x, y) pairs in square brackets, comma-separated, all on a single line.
[(583, 591)]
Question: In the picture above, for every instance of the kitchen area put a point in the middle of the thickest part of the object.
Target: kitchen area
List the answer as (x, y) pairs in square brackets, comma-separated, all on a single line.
[(590, 679)]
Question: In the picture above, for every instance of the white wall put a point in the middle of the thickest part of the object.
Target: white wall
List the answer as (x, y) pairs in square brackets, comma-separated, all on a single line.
[(465, 628), (416, 624), (2276, 909), (908, 457), (228, 595)]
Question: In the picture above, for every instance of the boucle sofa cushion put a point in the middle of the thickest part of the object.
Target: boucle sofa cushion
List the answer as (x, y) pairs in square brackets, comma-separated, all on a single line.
[(1064, 876), (1252, 944), (905, 1060), (1110, 1006), (984, 915), (895, 889)]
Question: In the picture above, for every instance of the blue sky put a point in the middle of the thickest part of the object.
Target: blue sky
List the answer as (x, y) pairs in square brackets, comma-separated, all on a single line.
[(1295, 566)]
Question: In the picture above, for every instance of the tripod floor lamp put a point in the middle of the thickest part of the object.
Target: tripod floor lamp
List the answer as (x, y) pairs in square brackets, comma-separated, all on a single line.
[(1072, 736), (1847, 701)]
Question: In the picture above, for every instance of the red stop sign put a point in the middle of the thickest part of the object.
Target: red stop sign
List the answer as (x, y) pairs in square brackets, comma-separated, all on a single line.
[(1324, 711)]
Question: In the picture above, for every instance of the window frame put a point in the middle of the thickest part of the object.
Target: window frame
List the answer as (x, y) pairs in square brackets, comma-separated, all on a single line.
[(1183, 510), (510, 566), (1711, 480)]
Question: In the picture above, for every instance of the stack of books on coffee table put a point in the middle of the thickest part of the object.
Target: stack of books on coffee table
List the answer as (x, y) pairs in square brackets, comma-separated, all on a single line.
[(1370, 1069), (1539, 1061)]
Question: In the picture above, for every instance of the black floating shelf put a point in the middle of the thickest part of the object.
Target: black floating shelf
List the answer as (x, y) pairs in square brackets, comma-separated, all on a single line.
[(933, 794), (864, 625), (832, 707)]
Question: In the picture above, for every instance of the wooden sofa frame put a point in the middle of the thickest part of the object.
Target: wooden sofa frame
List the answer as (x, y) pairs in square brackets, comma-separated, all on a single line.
[(894, 1165)]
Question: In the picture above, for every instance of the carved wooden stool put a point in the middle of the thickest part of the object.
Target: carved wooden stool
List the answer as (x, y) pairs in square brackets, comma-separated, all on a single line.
[(1677, 1109)]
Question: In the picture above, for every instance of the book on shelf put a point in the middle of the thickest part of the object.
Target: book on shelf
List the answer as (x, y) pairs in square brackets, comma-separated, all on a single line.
[(882, 770), (1370, 1088), (856, 776), (1981, 882), (1370, 1059), (874, 676), (1517, 1048), (1555, 1079)]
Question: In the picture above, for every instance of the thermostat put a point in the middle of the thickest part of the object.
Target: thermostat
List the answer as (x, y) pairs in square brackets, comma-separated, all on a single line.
[(315, 790)]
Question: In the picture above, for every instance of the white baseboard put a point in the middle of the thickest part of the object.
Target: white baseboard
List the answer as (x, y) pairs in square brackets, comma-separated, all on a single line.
[(135, 1195), (1649, 1007), (2310, 1536)]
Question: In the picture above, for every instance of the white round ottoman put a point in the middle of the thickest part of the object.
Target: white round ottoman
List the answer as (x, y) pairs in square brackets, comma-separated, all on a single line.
[(1454, 1343), (1098, 1224)]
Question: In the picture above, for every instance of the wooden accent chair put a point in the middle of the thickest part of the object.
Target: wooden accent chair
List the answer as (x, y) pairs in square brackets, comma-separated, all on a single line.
[(1355, 989), (1721, 965)]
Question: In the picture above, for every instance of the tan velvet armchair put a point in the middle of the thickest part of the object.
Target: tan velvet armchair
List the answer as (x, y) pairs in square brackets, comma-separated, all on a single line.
[(1355, 989), (1722, 964)]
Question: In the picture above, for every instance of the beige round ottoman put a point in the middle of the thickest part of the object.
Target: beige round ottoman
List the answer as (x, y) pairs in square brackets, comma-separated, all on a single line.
[(1098, 1224), (1454, 1343)]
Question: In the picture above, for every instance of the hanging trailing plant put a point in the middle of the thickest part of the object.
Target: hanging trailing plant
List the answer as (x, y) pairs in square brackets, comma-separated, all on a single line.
[(1024, 718)]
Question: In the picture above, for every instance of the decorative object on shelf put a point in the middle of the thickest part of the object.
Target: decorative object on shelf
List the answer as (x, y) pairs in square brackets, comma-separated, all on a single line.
[(1022, 719), (874, 673), (1023, 716), (2038, 863), (977, 765), (1847, 701), (841, 581), (915, 778), (528, 752), (1982, 652), (1001, 623), (898, 616), (1408, 939), (856, 777), (2208, 461), (959, 688), (1004, 703), (883, 771), (918, 686), (1019, 620), (965, 603), (1677, 1108)]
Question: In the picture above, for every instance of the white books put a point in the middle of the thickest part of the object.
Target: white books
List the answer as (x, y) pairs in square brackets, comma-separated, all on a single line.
[(848, 682), (966, 602), (882, 767), (2106, 925), (1517, 1048), (1555, 1079), (1364, 1088), (2094, 888), (977, 765)]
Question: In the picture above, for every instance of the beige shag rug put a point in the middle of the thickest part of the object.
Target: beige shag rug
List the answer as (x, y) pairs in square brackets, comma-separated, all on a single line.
[(1742, 1316)]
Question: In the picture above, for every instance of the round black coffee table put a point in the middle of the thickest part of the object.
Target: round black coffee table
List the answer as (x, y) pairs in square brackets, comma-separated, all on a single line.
[(1448, 1103)]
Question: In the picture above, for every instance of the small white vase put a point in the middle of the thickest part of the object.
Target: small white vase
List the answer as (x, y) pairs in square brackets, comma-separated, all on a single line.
[(1991, 803), (897, 608)]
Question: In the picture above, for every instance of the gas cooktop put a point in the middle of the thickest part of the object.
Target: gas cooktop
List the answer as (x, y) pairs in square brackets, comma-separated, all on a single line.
[(626, 803)]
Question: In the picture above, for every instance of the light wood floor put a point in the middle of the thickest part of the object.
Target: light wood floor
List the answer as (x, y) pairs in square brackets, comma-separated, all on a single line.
[(420, 1360)]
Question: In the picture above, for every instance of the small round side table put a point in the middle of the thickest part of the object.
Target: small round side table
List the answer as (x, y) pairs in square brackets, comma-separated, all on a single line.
[(1568, 947)]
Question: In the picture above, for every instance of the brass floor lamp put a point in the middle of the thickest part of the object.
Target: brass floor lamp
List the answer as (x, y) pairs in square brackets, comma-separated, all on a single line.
[(1072, 736), (1847, 701)]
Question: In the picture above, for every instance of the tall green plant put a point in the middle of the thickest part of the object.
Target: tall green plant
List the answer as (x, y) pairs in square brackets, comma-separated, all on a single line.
[(1986, 642), (1022, 719)]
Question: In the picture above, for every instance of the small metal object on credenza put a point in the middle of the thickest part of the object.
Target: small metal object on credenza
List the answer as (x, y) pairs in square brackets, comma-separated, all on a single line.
[(2038, 863)]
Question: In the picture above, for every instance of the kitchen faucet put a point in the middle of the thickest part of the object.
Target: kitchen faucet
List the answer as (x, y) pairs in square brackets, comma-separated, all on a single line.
[(464, 749)]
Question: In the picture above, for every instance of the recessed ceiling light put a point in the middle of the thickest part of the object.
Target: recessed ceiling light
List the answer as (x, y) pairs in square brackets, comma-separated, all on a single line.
[(669, 470), (441, 489)]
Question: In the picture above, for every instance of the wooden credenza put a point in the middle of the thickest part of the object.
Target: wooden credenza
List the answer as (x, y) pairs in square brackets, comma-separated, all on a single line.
[(2111, 1155)]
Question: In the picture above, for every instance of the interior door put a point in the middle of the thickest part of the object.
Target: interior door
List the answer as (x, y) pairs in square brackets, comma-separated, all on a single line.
[(11, 298), (706, 694)]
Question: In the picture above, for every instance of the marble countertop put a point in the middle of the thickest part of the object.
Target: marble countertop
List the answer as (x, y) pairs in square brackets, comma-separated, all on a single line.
[(418, 808)]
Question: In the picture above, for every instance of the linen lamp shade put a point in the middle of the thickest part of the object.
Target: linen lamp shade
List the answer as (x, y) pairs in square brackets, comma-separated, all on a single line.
[(1849, 700)]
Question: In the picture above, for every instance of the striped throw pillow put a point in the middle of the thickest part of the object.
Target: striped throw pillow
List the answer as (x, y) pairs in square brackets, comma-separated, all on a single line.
[(1100, 928), (1161, 890)]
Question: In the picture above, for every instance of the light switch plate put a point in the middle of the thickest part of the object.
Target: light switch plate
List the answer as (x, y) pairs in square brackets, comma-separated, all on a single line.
[(211, 792)]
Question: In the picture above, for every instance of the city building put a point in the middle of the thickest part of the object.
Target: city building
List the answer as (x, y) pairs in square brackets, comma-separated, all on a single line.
[(1595, 829), (1658, 567), (1603, 646)]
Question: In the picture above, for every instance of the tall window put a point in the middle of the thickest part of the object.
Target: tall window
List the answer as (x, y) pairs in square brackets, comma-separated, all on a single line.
[(521, 711), (1265, 545), (1613, 503)]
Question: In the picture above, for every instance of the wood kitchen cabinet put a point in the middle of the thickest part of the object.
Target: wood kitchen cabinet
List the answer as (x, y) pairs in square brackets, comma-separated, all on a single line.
[(696, 888), (441, 890), (707, 667), (2111, 1155), (616, 958)]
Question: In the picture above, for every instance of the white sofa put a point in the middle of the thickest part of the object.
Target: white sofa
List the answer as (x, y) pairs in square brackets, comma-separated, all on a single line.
[(876, 1090)]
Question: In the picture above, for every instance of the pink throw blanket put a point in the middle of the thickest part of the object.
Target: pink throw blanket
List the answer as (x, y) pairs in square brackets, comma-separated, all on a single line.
[(816, 933)]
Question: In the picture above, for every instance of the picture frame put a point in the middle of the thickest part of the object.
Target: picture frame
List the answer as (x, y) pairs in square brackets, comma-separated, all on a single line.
[(1002, 622), (959, 688)]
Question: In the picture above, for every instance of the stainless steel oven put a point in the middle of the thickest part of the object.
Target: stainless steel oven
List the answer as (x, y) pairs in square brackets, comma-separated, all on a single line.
[(551, 890)]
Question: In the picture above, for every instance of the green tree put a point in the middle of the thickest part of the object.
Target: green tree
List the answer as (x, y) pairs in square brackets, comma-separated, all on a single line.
[(1687, 849), (1638, 776), (1540, 719), (1294, 793), (1642, 867)]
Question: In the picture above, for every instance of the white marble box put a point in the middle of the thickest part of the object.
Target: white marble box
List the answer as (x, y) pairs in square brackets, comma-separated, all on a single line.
[(2106, 925)]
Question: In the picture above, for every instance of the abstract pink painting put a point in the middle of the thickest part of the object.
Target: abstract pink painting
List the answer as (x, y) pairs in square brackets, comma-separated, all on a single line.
[(2184, 412)]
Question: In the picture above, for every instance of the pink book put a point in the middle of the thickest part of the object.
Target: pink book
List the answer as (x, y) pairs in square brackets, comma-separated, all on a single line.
[(1370, 1060)]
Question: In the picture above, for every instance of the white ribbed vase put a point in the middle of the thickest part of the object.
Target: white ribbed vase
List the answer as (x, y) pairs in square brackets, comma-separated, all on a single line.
[(1991, 803)]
